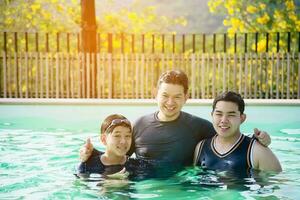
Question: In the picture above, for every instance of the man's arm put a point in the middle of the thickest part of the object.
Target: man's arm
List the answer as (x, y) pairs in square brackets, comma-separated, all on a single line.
[(196, 153), (264, 159)]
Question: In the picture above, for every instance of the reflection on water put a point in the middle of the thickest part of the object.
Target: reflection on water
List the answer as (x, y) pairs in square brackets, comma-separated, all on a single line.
[(39, 164)]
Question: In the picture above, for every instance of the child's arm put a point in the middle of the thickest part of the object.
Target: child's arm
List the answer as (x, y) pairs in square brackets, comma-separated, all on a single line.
[(86, 151)]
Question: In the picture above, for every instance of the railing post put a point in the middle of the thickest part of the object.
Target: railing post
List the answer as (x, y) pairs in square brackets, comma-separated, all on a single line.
[(26, 41), (132, 44), (277, 42), (173, 43), (235, 41), (245, 44), (267, 42), (5, 41), (143, 44), (194, 43), (47, 42), (289, 42), (57, 42), (153, 43), (4, 74), (183, 43), (203, 43), (214, 43), (68, 42), (122, 43), (256, 41), (110, 43), (225, 37), (163, 43), (193, 79)]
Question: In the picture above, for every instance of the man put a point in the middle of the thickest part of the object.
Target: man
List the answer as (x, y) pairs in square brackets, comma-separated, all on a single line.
[(229, 149), (169, 136)]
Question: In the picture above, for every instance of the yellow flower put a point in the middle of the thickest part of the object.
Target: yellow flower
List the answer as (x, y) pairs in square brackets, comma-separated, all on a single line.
[(214, 4), (263, 19), (292, 16), (29, 16), (261, 45), (290, 5), (298, 25), (251, 9), (46, 15), (132, 16), (242, 28), (282, 24), (35, 7), (226, 22), (231, 31), (8, 21), (235, 22), (229, 5), (262, 6), (277, 14)]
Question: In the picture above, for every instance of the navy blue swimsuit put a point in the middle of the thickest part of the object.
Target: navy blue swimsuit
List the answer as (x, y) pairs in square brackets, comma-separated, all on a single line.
[(94, 165), (138, 169), (237, 159)]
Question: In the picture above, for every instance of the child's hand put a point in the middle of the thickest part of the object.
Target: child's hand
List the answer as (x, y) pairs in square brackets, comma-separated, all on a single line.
[(123, 174), (86, 151)]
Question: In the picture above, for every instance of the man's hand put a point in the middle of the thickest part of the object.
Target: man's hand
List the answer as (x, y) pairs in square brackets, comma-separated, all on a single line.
[(263, 137), (86, 151)]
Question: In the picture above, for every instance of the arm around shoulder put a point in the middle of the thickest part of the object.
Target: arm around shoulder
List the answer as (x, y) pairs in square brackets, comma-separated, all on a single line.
[(196, 153), (264, 159)]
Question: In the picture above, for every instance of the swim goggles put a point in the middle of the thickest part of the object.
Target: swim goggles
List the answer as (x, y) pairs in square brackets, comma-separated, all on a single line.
[(117, 122)]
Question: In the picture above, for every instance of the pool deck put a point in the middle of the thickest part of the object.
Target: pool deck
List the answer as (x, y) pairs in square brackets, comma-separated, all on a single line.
[(37, 101)]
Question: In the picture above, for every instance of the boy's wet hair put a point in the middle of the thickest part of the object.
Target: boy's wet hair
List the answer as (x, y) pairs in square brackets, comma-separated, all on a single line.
[(230, 96), (177, 77), (113, 121)]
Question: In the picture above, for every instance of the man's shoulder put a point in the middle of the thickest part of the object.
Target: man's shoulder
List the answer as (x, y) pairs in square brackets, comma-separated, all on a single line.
[(188, 117), (145, 119)]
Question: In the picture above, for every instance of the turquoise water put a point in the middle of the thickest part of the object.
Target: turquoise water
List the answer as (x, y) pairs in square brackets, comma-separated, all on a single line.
[(39, 150)]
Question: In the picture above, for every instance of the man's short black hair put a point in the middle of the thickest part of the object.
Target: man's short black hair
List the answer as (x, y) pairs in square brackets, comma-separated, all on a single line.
[(231, 97)]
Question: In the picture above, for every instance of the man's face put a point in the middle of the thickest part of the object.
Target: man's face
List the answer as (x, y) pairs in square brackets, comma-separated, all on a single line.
[(170, 99), (227, 119)]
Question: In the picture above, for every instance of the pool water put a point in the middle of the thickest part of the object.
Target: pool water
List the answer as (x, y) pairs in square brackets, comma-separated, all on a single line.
[(39, 151)]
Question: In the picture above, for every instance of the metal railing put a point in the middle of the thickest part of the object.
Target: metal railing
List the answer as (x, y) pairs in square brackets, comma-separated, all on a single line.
[(153, 43)]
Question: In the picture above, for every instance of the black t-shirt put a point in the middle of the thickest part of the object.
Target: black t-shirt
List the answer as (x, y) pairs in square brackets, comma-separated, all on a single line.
[(171, 142)]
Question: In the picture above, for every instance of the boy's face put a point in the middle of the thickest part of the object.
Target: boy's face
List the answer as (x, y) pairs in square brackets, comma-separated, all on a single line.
[(227, 119), (170, 99), (118, 141)]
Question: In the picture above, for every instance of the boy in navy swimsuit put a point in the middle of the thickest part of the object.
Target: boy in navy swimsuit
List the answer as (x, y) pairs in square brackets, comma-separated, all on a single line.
[(116, 135), (229, 149)]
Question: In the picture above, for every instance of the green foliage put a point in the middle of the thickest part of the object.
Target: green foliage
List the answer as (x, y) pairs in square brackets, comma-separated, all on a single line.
[(258, 16), (40, 16), (53, 16)]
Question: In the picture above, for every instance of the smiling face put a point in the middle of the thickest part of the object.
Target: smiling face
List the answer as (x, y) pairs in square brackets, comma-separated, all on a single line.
[(227, 119), (118, 141), (170, 99)]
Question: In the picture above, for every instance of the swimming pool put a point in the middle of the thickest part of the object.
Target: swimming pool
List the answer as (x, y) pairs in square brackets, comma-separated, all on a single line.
[(39, 149)]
